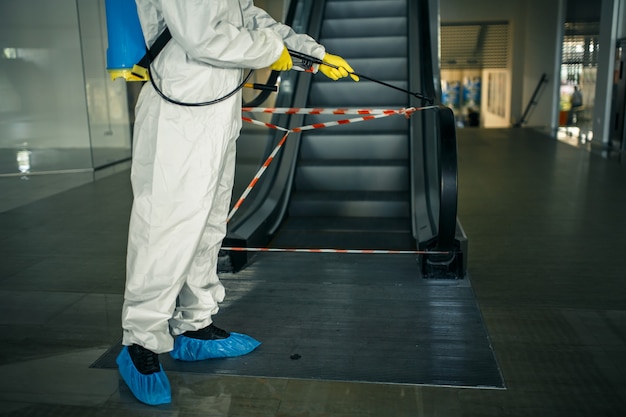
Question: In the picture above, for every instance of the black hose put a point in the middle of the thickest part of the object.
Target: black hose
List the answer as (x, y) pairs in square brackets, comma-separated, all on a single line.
[(200, 104)]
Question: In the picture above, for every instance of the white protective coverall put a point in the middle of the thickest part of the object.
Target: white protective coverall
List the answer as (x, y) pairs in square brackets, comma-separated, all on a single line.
[(184, 159)]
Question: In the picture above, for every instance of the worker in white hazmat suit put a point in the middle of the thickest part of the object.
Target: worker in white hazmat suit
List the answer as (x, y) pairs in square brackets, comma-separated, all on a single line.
[(182, 176)]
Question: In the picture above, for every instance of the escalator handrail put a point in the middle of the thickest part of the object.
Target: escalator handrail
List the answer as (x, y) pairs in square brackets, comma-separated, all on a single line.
[(424, 34), (448, 180)]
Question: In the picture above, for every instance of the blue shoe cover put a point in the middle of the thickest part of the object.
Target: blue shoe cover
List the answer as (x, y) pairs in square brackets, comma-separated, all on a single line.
[(153, 389), (190, 349)]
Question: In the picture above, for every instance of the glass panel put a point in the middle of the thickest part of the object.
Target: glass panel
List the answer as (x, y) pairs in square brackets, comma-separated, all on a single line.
[(579, 66), (56, 100), (43, 116), (44, 129)]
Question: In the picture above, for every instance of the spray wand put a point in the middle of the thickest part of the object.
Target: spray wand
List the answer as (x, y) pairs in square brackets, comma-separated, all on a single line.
[(305, 62)]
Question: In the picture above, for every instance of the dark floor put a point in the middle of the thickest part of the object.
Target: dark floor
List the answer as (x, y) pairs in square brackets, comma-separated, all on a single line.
[(545, 222), (360, 318)]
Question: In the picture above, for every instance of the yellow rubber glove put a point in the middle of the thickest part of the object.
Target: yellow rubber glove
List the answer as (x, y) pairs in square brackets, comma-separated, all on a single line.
[(284, 62), (343, 68)]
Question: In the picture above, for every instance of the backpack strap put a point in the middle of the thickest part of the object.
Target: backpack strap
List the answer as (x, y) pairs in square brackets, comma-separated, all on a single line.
[(141, 68)]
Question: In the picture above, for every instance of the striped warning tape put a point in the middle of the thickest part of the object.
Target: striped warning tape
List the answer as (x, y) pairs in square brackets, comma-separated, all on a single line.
[(352, 251), (259, 123), (299, 110), (366, 114), (260, 172), (344, 121)]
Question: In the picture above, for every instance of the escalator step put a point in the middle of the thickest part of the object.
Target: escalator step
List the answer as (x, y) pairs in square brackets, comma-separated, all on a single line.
[(350, 204), (381, 26), (373, 47), (347, 224), (359, 9), (395, 123), (329, 146), (345, 232), (368, 94), (384, 69), (352, 177)]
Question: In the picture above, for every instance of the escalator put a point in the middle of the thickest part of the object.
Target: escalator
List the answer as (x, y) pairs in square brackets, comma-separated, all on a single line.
[(388, 183)]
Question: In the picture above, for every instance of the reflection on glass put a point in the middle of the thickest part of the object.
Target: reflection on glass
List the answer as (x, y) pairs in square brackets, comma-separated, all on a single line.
[(579, 65), (23, 160)]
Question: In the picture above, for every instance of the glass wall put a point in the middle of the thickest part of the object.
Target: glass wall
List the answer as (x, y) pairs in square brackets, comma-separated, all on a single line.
[(579, 67), (580, 56), (61, 119)]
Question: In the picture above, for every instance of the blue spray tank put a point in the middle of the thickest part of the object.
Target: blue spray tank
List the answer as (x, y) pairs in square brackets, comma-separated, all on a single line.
[(126, 43)]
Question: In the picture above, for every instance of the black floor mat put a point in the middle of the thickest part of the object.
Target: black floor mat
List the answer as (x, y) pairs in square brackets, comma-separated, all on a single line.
[(366, 318)]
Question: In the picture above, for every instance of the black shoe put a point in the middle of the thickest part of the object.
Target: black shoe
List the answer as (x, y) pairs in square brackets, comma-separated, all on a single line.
[(210, 332), (146, 361)]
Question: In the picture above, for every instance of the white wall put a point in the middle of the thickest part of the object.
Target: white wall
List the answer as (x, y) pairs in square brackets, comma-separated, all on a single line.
[(274, 8), (543, 33)]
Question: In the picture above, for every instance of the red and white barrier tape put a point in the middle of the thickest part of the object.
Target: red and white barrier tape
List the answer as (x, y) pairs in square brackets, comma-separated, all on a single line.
[(259, 123), (260, 172), (345, 121), (351, 251), (367, 114), (303, 110)]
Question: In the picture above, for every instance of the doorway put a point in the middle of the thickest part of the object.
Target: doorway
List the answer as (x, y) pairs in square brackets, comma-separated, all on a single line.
[(476, 74)]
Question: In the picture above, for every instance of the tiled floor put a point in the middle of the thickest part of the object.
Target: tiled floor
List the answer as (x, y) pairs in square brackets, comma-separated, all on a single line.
[(545, 223)]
